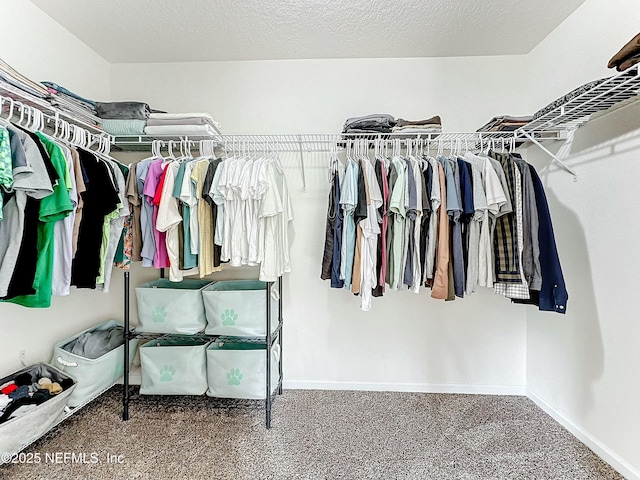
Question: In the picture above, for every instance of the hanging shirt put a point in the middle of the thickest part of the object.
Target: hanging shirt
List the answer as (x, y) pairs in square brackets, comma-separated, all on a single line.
[(148, 250), (81, 188), (398, 211), (29, 187), (100, 199), (207, 195), (457, 251), (359, 214), (6, 164), (427, 175), (133, 197), (329, 233), (151, 184), (277, 212), (411, 207), (506, 241), (370, 230), (440, 286), (169, 221), (218, 198), (116, 224), (495, 198), (205, 220), (516, 290), (480, 218), (23, 278), (348, 202), (336, 282), (531, 246), (63, 235), (432, 237), (53, 208)]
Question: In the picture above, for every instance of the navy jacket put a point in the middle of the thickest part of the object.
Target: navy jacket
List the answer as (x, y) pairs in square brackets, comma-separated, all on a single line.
[(553, 294)]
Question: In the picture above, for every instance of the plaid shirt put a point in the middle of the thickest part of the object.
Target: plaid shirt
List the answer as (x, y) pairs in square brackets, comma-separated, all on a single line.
[(516, 290), (505, 241)]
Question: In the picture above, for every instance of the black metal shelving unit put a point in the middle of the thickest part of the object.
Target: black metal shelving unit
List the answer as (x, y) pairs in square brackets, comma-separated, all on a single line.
[(271, 339)]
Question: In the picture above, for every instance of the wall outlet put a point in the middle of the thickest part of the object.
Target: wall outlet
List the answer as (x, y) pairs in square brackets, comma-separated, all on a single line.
[(22, 355)]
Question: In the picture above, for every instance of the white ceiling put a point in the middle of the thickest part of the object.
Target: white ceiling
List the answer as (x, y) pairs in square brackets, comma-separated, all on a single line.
[(124, 31)]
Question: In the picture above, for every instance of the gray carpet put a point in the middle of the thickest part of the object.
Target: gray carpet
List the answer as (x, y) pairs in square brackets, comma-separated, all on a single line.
[(318, 435)]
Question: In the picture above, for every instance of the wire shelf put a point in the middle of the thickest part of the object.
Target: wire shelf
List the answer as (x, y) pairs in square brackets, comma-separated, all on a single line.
[(616, 92)]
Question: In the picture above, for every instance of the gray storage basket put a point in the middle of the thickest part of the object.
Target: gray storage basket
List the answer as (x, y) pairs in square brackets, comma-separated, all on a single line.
[(171, 307), (238, 308), (237, 370), (16, 432), (93, 375), (174, 366)]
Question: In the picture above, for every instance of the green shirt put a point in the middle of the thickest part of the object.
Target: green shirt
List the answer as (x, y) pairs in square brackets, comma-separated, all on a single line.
[(53, 208)]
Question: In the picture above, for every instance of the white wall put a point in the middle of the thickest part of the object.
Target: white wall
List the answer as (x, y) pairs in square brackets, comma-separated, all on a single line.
[(584, 368), (407, 341), (41, 49)]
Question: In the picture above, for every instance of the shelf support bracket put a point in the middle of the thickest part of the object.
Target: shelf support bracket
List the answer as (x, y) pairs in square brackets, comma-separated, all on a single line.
[(553, 156), (304, 177)]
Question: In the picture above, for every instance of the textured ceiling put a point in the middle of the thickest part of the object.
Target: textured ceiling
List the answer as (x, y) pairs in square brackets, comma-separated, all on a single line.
[(208, 30)]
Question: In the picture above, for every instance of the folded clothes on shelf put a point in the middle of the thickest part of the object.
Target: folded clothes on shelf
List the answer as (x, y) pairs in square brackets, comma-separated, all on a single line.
[(16, 79), (505, 123), (59, 90), (124, 127), (375, 123), (163, 119), (627, 56), (434, 121), (177, 130), (123, 110)]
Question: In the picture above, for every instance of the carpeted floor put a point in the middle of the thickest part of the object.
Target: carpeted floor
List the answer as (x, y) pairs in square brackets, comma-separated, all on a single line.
[(316, 435)]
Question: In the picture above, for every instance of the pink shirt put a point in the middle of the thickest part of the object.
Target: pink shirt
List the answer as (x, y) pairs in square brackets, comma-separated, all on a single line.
[(151, 184)]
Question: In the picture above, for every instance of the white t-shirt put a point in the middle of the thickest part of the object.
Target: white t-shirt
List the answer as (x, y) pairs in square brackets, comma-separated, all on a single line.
[(370, 231), (277, 212)]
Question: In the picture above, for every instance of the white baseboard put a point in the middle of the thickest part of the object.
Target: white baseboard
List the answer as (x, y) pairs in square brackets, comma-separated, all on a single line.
[(621, 465), (406, 387)]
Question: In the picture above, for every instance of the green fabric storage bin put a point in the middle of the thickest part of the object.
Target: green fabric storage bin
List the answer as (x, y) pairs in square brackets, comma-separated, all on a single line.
[(238, 308), (16, 432), (237, 370), (174, 366), (93, 375), (171, 307)]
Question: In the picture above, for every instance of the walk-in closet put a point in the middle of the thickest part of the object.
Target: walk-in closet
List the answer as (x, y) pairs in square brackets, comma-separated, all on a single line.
[(319, 239)]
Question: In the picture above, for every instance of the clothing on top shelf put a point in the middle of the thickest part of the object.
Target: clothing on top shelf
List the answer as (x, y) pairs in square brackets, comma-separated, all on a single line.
[(452, 223), (505, 123), (161, 119), (124, 127), (568, 97), (429, 125), (627, 56), (16, 79), (72, 103), (123, 110), (375, 123)]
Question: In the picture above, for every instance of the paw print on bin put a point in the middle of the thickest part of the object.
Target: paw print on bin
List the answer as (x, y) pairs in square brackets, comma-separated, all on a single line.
[(229, 317), (166, 373), (159, 315), (234, 377)]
